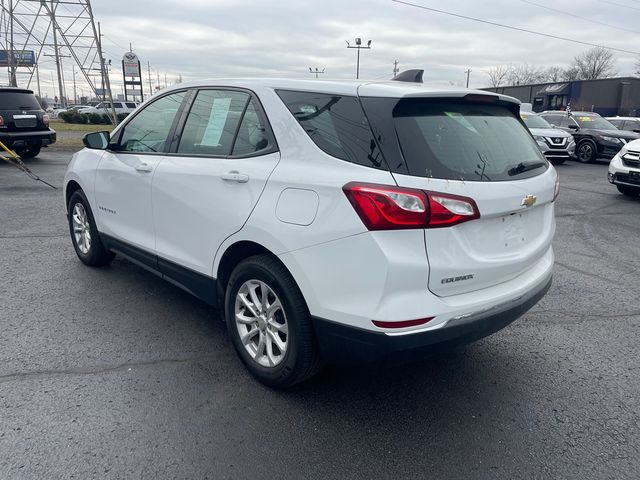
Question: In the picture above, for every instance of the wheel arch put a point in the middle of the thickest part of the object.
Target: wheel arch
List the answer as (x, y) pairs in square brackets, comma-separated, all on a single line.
[(71, 187)]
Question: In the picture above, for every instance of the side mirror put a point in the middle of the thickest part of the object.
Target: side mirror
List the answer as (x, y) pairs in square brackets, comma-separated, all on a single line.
[(96, 140), (573, 127)]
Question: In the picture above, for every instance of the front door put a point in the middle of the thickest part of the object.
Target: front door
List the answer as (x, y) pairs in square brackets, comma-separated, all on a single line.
[(124, 176), (205, 190)]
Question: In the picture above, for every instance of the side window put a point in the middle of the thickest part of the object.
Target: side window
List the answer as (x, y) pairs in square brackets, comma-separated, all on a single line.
[(212, 122), (148, 130), (131, 105), (252, 134), (336, 124)]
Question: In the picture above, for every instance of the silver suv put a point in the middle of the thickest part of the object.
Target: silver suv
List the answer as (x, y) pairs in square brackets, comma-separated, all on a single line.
[(556, 145)]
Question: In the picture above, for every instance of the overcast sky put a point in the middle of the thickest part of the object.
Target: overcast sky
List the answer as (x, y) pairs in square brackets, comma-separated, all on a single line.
[(211, 38)]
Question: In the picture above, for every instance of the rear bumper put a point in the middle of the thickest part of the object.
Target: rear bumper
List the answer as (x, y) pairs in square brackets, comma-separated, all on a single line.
[(38, 138), (347, 345)]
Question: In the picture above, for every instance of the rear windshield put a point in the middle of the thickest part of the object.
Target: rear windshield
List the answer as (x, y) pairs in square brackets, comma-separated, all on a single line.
[(453, 139), (18, 101), (534, 121)]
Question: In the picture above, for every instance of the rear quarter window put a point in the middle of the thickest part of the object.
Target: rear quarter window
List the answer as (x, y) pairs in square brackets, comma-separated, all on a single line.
[(336, 124)]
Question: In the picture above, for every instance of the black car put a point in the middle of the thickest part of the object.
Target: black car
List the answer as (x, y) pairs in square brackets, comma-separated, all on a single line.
[(595, 137), (24, 126)]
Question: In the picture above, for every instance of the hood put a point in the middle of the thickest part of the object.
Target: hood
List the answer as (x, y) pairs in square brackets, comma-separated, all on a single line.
[(612, 133), (549, 132)]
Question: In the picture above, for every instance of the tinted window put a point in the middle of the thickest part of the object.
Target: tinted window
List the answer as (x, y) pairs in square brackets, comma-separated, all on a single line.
[(617, 123), (18, 101), (212, 122), (252, 134), (148, 130), (131, 105), (336, 124), (454, 140)]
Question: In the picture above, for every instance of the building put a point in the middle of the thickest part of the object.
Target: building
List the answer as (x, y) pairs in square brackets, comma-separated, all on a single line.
[(607, 96)]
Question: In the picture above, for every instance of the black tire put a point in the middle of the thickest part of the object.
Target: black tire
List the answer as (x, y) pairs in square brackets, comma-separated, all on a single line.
[(95, 255), (301, 359), (29, 152), (586, 152), (629, 191), (558, 161)]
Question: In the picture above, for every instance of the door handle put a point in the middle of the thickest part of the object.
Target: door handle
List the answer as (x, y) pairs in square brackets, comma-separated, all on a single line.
[(235, 176), (144, 167)]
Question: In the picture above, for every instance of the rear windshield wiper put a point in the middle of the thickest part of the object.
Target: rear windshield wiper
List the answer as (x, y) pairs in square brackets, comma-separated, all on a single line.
[(525, 167)]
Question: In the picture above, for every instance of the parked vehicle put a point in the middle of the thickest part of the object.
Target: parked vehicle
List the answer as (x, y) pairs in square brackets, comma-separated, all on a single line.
[(330, 221), (624, 169), (630, 124), (555, 144), (594, 136), (24, 126), (105, 107)]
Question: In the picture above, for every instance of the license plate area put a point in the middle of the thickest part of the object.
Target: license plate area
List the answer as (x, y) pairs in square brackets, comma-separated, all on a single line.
[(514, 230)]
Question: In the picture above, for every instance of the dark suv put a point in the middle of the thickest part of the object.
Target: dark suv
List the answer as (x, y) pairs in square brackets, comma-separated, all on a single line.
[(595, 137), (24, 126)]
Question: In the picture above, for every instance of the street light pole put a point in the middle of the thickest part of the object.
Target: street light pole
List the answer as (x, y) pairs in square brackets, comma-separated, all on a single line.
[(359, 46), (316, 71), (468, 72)]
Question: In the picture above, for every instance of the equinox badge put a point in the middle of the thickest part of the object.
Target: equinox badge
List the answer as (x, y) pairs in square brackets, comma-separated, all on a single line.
[(529, 201)]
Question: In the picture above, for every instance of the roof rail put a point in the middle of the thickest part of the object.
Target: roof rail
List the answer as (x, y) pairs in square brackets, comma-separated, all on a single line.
[(413, 76)]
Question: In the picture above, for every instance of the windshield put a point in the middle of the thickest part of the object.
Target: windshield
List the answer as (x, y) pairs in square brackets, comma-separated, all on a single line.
[(594, 122), (532, 120), (454, 139)]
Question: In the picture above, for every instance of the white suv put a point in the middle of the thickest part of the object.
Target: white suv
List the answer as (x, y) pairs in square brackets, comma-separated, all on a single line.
[(330, 220), (105, 107)]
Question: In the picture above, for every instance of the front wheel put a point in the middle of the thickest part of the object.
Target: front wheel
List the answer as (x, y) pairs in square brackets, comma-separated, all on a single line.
[(269, 323), (84, 233), (627, 190), (586, 152)]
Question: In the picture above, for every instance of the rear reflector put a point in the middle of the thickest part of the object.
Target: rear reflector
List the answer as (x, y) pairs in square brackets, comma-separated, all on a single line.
[(384, 207), (403, 323)]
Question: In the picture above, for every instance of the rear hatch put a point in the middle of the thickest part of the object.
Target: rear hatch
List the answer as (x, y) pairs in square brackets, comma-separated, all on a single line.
[(20, 111), (474, 147)]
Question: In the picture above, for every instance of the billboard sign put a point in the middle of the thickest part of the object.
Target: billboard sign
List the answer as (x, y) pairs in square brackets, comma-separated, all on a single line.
[(131, 65), (21, 58)]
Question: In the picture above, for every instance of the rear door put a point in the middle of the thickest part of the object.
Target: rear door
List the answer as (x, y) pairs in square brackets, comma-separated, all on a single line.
[(482, 152), (205, 190)]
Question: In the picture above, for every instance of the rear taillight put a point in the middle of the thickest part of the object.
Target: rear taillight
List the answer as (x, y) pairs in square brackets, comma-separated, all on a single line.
[(556, 189), (382, 207), (45, 119)]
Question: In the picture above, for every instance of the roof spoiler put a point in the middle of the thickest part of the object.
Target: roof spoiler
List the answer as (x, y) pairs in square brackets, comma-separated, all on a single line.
[(413, 76)]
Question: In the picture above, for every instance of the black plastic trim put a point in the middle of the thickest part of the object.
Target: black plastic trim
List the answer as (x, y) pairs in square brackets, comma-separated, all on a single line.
[(196, 283), (343, 344)]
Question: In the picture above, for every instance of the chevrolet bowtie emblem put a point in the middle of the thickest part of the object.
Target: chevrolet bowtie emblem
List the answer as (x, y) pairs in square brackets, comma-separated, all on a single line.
[(529, 201)]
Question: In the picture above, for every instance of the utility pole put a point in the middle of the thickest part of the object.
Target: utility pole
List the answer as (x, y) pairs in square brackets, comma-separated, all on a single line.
[(52, 12), (105, 73), (165, 80), (12, 67), (38, 80), (149, 72), (468, 72), (396, 70), (75, 91), (359, 47), (316, 71)]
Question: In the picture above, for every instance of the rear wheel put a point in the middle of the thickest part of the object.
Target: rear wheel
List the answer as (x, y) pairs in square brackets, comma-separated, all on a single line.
[(84, 234), (28, 152), (269, 323), (586, 151), (627, 190)]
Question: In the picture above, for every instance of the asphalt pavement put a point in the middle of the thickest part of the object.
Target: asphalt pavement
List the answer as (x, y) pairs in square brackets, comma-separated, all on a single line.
[(115, 374)]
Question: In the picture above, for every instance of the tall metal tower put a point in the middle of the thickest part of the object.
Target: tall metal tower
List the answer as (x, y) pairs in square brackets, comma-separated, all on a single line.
[(63, 30)]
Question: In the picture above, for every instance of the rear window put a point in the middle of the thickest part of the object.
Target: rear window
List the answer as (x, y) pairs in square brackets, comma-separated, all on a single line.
[(336, 124), (452, 139), (18, 101)]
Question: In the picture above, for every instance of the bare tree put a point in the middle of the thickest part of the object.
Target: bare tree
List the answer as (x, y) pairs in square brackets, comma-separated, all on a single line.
[(524, 74), (498, 75), (571, 73), (554, 73), (597, 62)]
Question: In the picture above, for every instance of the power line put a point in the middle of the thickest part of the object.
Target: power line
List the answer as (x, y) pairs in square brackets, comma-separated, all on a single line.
[(619, 4), (579, 16), (518, 29)]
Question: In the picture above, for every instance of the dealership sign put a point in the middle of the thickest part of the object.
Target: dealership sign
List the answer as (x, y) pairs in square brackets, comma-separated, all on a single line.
[(131, 65), (21, 58)]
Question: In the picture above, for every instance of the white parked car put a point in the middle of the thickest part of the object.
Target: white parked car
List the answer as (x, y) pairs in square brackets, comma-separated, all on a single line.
[(329, 220), (105, 107), (624, 169)]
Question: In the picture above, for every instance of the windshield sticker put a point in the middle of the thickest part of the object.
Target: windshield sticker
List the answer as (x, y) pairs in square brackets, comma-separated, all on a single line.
[(585, 119)]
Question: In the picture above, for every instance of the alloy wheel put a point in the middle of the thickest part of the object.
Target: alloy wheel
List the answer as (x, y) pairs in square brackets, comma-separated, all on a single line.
[(81, 228)]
